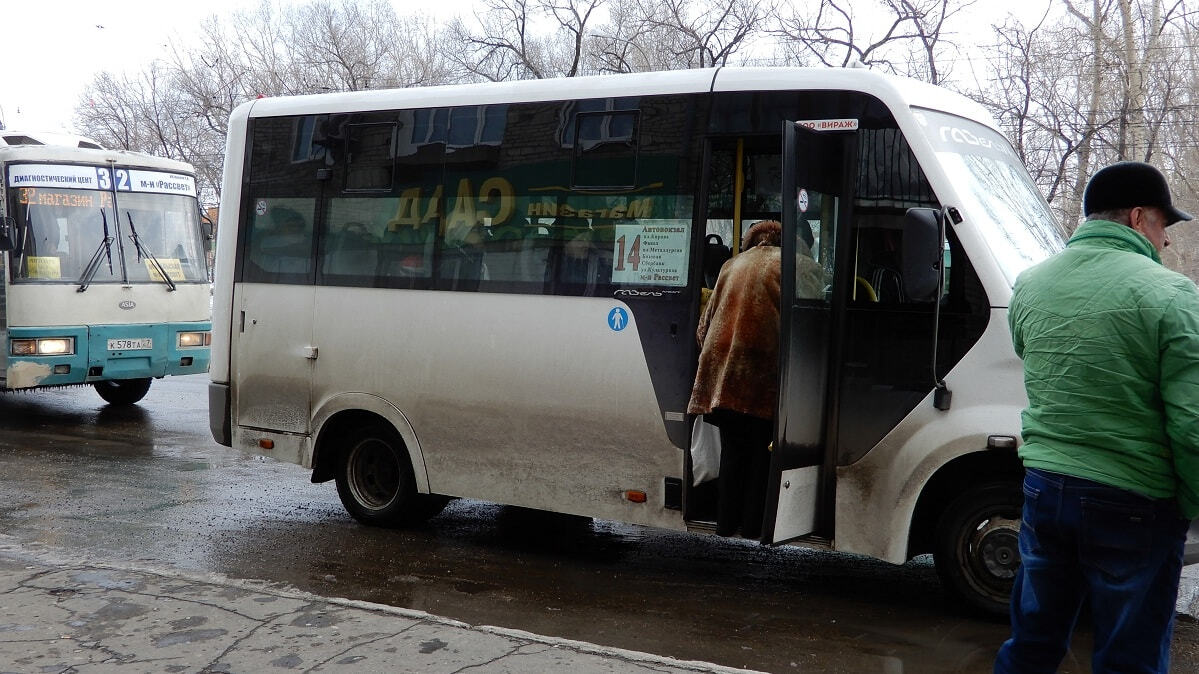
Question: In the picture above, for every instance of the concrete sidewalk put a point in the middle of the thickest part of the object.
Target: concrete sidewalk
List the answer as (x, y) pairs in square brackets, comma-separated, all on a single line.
[(68, 617)]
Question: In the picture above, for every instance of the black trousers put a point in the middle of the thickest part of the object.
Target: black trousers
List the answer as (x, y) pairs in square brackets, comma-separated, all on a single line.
[(744, 468)]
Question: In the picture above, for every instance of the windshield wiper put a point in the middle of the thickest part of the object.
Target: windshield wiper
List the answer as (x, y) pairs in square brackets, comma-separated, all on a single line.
[(142, 251), (22, 240), (105, 247)]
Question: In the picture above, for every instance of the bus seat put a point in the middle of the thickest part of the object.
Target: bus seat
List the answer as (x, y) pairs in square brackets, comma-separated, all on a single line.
[(715, 255)]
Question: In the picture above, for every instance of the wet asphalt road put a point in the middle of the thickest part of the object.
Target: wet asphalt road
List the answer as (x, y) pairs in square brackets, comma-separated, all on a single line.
[(147, 486)]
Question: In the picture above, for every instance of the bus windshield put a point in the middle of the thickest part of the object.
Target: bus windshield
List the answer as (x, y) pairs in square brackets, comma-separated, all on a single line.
[(60, 231), (995, 191)]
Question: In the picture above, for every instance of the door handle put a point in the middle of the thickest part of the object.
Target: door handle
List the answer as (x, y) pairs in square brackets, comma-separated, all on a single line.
[(310, 352)]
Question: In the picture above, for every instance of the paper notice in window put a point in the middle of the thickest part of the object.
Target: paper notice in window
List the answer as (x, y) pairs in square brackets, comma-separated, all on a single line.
[(43, 267), (651, 252), (171, 265)]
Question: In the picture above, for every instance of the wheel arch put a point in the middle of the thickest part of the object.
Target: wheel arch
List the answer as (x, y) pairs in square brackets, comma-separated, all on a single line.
[(339, 415), (951, 480)]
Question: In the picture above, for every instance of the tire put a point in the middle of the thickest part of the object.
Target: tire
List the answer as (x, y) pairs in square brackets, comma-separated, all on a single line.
[(122, 391), (375, 481), (977, 552)]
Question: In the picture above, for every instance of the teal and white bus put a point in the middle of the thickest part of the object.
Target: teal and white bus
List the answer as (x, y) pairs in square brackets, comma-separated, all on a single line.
[(492, 291), (105, 274)]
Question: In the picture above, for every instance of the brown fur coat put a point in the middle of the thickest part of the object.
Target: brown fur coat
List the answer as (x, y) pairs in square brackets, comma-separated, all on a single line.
[(738, 336)]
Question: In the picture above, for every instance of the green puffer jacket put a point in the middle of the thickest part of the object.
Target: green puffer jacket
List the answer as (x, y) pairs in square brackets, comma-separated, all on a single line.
[(1110, 343)]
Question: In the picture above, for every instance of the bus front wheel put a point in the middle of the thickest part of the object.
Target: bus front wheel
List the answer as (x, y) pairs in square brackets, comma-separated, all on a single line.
[(376, 484), (122, 391), (977, 550)]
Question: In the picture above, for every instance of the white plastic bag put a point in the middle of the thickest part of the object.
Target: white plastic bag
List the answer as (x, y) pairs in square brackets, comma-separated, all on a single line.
[(705, 452)]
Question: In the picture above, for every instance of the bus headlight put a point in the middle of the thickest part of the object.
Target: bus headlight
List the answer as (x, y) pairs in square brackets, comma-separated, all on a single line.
[(43, 346), (187, 339)]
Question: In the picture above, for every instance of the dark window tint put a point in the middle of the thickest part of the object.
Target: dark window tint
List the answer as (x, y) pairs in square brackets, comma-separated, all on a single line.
[(24, 140), (480, 199), (370, 157), (279, 241), (605, 150), (279, 206), (303, 149)]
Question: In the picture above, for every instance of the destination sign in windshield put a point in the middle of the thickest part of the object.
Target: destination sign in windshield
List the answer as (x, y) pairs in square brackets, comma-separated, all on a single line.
[(35, 196), (72, 176)]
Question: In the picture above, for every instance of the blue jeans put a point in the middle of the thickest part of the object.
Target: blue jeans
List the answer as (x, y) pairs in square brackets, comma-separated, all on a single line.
[(1083, 540)]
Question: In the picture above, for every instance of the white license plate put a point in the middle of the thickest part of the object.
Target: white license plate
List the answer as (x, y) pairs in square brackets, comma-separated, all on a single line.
[(130, 344)]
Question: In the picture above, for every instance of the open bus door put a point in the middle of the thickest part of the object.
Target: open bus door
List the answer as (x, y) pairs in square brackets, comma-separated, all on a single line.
[(817, 187)]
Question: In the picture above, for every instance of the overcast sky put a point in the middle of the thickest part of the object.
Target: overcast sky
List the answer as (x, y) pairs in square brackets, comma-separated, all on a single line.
[(51, 49)]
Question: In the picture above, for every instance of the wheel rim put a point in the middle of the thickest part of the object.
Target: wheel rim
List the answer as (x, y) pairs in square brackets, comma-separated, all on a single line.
[(373, 474), (992, 552)]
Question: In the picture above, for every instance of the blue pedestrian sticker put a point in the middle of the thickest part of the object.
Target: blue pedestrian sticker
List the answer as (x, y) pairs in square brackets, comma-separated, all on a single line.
[(617, 319)]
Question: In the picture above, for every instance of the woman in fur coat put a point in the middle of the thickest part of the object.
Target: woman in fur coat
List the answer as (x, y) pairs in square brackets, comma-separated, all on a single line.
[(736, 385)]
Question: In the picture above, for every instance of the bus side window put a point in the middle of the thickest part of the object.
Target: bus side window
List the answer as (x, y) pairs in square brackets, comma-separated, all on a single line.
[(280, 243), (516, 252), (577, 265), (884, 264), (878, 261), (407, 252), (351, 250), (462, 266)]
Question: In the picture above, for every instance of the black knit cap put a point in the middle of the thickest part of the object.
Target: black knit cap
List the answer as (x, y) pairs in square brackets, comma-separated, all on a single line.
[(1129, 184)]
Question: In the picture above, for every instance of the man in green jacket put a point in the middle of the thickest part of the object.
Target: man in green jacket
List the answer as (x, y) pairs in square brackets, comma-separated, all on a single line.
[(1110, 343)]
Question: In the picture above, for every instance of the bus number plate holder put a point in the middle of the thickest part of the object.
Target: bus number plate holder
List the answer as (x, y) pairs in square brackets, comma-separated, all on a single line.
[(131, 344)]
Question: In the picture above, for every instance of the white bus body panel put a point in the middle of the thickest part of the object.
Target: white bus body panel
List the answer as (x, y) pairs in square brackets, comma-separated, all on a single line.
[(275, 336), (43, 304), (574, 442), (876, 496), (74, 155), (228, 224)]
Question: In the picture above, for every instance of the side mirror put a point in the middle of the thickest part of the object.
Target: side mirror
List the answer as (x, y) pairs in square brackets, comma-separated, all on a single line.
[(923, 241), (6, 229)]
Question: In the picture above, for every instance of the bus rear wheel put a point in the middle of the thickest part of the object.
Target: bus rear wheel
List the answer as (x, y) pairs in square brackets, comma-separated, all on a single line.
[(376, 484), (977, 551), (122, 391)]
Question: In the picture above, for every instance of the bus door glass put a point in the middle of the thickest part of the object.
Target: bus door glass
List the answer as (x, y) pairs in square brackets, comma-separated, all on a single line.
[(817, 188)]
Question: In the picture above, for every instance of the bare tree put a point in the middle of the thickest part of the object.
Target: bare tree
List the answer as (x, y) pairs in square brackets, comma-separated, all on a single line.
[(1074, 93), (352, 45), (911, 39), (672, 34), (180, 106), (525, 39)]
